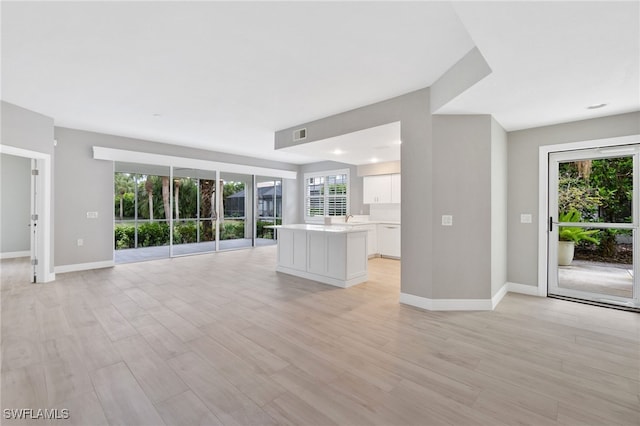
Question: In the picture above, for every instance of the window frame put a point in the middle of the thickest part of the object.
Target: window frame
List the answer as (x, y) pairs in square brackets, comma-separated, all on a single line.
[(325, 196)]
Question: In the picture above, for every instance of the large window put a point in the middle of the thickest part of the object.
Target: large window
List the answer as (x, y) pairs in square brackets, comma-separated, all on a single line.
[(326, 194)]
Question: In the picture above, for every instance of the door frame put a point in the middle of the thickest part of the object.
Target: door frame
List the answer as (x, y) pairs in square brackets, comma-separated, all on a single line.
[(43, 199), (543, 195)]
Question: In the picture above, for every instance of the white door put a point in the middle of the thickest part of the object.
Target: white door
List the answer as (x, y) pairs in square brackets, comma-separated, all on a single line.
[(593, 225)]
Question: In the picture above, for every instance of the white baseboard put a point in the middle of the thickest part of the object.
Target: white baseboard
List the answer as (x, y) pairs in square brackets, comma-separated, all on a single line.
[(84, 266), (15, 254), (467, 304), (49, 277), (498, 296), (531, 290), (446, 304), (359, 278)]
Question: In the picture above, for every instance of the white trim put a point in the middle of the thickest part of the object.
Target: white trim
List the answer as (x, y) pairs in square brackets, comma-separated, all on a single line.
[(357, 279), (110, 154), (15, 254), (497, 298), (84, 266), (543, 193), (531, 290), (446, 304)]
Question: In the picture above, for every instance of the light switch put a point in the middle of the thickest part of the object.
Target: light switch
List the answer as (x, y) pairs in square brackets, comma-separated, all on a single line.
[(525, 218), (447, 220), (92, 215), (80, 242)]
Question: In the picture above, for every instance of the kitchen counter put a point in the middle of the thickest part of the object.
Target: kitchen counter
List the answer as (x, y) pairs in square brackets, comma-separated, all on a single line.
[(335, 228), (330, 254)]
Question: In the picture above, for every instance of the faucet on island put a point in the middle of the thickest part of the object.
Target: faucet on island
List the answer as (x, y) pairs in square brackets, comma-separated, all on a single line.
[(346, 218)]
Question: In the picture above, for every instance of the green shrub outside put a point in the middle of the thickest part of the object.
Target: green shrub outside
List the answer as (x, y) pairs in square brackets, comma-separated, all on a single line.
[(124, 236), (151, 234), (184, 233), (232, 230)]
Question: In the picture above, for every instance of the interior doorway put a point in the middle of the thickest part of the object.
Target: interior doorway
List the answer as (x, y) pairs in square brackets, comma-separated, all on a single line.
[(593, 217), (38, 219)]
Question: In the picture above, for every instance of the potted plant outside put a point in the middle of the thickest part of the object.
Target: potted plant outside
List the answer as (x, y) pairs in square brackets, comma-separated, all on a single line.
[(568, 236)]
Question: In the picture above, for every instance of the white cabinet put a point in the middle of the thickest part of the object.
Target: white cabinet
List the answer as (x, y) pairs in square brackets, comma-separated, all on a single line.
[(331, 256), (293, 253), (372, 238), (376, 189), (395, 188), (389, 240), (381, 189)]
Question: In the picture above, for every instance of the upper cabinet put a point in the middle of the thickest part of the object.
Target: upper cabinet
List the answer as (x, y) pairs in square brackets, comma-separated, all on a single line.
[(395, 188), (381, 189)]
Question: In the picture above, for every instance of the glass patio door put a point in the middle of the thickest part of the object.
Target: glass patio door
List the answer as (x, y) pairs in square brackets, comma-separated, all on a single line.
[(593, 225)]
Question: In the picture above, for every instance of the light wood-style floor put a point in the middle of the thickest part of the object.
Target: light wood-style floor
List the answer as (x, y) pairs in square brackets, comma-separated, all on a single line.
[(223, 339)]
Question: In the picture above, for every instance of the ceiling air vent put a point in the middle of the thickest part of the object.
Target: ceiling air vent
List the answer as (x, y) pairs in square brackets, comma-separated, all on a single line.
[(299, 134)]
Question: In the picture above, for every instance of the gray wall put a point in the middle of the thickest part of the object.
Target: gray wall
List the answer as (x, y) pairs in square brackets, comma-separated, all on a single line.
[(499, 212), (355, 185), (26, 129), (85, 184), (15, 203), (523, 152), (462, 75), (462, 188), (291, 204)]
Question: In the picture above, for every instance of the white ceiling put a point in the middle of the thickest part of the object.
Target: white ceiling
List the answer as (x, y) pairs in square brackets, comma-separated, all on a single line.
[(224, 76), (550, 60)]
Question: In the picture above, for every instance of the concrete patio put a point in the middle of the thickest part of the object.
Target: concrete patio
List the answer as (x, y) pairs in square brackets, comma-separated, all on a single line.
[(603, 278), (161, 252)]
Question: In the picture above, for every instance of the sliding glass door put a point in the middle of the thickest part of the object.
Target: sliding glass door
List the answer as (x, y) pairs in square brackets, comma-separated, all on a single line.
[(593, 225), (141, 212), (268, 209), (236, 211), (164, 212), (194, 211)]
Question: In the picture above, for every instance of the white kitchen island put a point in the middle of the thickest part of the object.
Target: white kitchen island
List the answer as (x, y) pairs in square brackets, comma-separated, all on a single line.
[(330, 254)]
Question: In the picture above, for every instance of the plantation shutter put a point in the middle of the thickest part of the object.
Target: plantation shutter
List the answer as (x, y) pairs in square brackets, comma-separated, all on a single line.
[(327, 195), (337, 195), (314, 199)]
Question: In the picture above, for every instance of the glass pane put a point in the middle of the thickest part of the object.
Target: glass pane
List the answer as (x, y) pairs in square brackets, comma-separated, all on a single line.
[(269, 209), (189, 235), (207, 228), (236, 223), (598, 190), (143, 231), (596, 260), (337, 184), (315, 186)]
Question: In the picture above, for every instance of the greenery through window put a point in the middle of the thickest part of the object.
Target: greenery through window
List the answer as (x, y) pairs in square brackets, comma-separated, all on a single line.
[(600, 190), (326, 194)]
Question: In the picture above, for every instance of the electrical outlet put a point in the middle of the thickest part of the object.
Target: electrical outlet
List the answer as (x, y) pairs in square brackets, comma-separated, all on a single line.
[(92, 215), (447, 220), (80, 242)]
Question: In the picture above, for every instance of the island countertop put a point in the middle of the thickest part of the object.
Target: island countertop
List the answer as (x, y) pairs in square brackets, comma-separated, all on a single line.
[(339, 229)]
